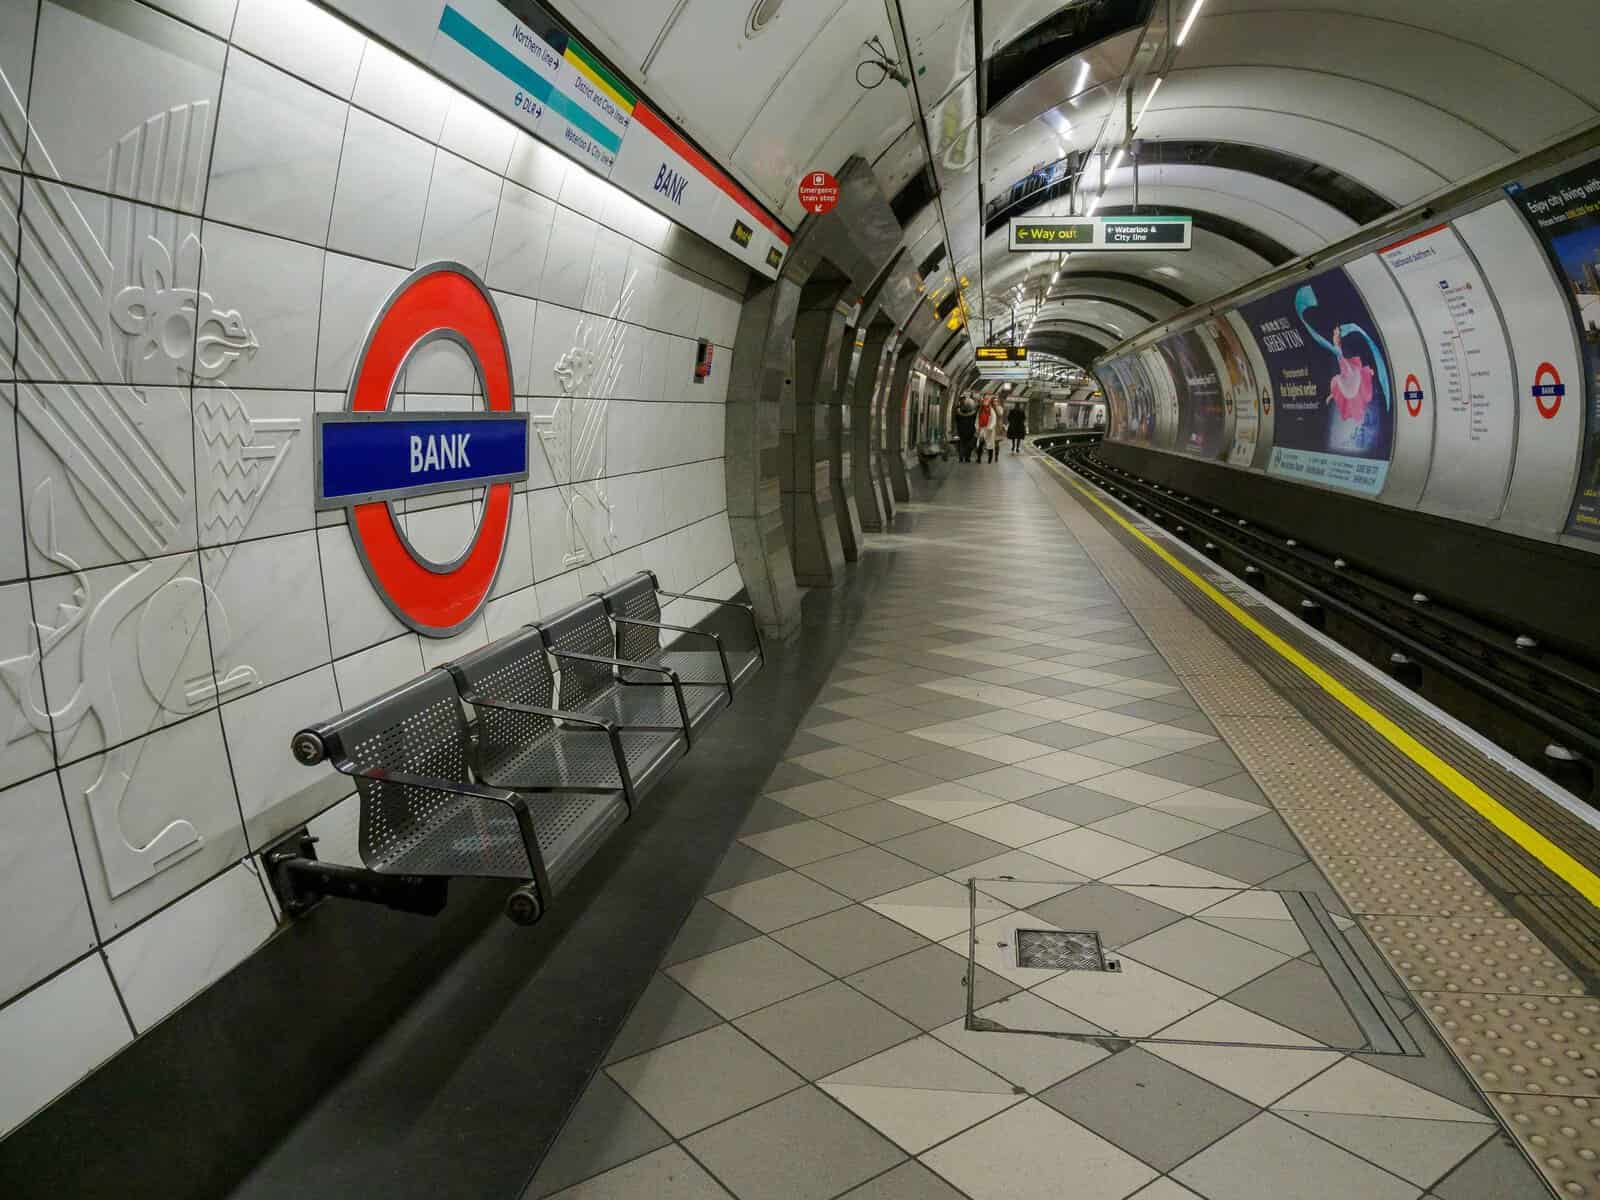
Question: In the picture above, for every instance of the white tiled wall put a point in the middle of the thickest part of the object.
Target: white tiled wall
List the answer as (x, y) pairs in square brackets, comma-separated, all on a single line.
[(203, 203)]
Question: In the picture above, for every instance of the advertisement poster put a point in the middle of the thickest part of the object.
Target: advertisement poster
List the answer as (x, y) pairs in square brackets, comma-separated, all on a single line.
[(1238, 389), (1565, 214), (1475, 411), (1163, 397), (1202, 418), (1330, 381), (1110, 376)]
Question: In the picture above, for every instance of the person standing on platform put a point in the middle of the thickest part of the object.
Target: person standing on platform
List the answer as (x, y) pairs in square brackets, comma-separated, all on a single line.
[(1016, 427), (988, 429), (965, 420)]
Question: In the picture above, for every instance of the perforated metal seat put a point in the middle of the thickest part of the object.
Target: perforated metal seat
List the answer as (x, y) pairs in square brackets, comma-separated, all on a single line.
[(598, 682), (635, 606), (421, 812), (525, 744)]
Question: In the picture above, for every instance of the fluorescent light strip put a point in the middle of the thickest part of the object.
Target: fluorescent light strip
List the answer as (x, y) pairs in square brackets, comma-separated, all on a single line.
[(1083, 78), (1154, 88), (1189, 21), (1117, 161)]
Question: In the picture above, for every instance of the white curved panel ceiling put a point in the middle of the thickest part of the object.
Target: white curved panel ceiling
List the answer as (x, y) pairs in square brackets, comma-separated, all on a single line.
[(1391, 100)]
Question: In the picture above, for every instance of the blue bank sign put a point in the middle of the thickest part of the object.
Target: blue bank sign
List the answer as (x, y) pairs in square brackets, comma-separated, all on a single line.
[(388, 456)]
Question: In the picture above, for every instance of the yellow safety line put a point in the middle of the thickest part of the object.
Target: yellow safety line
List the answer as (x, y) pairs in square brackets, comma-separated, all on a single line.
[(1555, 859)]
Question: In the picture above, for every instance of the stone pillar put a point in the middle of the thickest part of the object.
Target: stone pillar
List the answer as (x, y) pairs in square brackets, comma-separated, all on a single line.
[(841, 423), (810, 515), (897, 485), (871, 378), (760, 405)]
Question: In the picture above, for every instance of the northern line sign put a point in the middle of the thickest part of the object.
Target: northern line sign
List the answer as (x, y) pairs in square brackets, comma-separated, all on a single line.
[(1055, 234)]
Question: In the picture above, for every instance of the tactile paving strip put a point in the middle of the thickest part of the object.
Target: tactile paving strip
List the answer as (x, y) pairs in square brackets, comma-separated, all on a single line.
[(1513, 1013)]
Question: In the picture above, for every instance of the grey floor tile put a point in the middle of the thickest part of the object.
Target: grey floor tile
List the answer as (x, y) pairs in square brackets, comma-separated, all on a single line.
[(777, 901), (944, 848), (1205, 956), (1496, 1171), (823, 797), (901, 720), (865, 873), (1048, 686), (801, 843), (674, 1085), (787, 775), (1117, 916), (808, 743), (1240, 787), (1080, 805), (953, 708), (1063, 736), (826, 1029), (802, 1146), (665, 1174), (879, 822), (1299, 995), (1270, 830), (1195, 723), (1123, 751), (849, 940), (949, 763), (1188, 768), (1217, 752), (1152, 829), (708, 928), (836, 760), (664, 1013), (1238, 858), (605, 1129), (926, 986), (1148, 1107), (743, 978), (1268, 1159), (909, 1181), (741, 864), (1435, 1070), (893, 779), (1164, 709), (766, 813)]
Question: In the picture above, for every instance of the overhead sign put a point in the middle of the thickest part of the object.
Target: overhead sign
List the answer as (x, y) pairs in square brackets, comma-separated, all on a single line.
[(818, 191), (1002, 362), (526, 66), (369, 455), (1055, 234)]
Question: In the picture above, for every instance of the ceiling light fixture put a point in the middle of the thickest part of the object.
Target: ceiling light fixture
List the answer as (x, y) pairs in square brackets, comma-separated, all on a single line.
[(1145, 107), (1188, 21), (1117, 161), (1093, 204)]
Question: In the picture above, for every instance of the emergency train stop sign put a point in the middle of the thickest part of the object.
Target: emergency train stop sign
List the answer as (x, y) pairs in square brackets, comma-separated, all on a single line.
[(819, 192)]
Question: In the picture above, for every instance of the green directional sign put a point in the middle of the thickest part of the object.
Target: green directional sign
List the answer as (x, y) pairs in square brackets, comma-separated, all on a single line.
[(1136, 232)]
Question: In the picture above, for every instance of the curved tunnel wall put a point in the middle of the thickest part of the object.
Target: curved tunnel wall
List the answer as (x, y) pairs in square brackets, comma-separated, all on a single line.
[(172, 607), (1452, 368)]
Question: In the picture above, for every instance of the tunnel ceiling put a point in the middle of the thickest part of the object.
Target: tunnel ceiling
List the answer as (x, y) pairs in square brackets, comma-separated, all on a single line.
[(1282, 125)]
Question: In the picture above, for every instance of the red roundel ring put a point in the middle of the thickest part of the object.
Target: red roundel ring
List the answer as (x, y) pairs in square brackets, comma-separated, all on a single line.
[(1413, 395), (1547, 382), (442, 298)]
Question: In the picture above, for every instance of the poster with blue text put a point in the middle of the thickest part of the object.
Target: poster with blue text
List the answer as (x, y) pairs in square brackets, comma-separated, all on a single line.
[(1329, 374)]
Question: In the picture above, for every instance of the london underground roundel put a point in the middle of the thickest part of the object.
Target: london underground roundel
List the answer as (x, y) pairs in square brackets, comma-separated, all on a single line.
[(370, 455)]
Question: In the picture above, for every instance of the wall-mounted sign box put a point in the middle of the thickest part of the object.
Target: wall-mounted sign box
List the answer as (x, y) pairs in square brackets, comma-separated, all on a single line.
[(1002, 362), (1055, 234)]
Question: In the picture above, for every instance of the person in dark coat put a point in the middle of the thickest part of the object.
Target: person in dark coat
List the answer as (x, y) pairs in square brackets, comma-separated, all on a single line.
[(965, 420), (1016, 427)]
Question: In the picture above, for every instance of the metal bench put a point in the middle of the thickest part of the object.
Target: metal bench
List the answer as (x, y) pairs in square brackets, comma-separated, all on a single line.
[(598, 682), (635, 606), (525, 744)]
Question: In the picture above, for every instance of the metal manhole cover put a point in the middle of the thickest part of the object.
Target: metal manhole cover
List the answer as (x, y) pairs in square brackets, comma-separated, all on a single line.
[(1062, 950)]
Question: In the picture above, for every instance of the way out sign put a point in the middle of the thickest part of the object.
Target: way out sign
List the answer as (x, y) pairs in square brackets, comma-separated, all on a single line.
[(819, 192)]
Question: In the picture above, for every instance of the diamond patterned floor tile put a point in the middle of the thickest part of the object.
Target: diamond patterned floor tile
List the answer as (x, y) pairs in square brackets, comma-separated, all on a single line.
[(778, 900), (665, 1174), (605, 1129), (926, 986), (849, 940), (823, 1030), (866, 873), (880, 822), (746, 977), (1268, 1158), (673, 1085)]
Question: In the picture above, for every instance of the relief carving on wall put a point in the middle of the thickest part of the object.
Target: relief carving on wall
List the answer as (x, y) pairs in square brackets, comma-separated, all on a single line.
[(115, 308), (587, 373)]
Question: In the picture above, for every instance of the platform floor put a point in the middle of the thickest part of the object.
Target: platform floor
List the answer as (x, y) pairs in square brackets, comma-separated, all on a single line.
[(1003, 747)]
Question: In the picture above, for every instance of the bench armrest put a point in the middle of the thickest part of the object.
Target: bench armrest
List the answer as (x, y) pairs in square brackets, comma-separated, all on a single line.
[(609, 728), (467, 791), (748, 609), (722, 655), (671, 679)]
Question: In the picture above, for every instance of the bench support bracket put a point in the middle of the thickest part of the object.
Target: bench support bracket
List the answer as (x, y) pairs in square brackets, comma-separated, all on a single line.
[(299, 881)]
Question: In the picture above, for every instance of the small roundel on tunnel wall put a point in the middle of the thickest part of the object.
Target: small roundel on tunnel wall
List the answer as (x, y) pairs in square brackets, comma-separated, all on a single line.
[(372, 457)]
